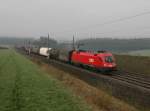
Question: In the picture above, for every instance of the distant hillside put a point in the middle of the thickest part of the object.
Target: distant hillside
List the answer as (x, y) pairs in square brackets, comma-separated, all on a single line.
[(14, 40), (116, 45), (42, 41), (139, 53)]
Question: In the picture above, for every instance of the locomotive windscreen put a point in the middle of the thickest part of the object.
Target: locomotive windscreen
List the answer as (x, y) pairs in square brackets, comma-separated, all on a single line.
[(109, 59)]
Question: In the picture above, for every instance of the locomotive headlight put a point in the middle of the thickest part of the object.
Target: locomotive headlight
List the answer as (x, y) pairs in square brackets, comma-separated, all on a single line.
[(108, 65), (105, 64)]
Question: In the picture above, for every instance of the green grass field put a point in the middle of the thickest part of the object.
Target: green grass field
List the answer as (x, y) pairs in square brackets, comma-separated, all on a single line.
[(137, 64), (24, 87), (140, 53)]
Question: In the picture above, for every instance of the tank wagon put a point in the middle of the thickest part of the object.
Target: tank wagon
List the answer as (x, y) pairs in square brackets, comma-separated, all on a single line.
[(35, 50)]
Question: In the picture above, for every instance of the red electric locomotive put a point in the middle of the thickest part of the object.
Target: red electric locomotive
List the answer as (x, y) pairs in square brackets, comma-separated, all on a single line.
[(101, 60)]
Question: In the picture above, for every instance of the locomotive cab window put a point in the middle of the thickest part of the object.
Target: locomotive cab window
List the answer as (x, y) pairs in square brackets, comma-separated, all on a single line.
[(109, 59)]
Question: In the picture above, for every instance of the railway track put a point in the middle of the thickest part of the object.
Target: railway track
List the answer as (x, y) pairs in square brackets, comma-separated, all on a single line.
[(136, 75), (135, 79), (121, 84), (123, 76), (138, 80)]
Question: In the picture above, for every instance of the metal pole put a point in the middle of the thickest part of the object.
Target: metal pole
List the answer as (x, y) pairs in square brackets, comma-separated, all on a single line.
[(73, 44), (48, 41), (29, 47), (48, 45)]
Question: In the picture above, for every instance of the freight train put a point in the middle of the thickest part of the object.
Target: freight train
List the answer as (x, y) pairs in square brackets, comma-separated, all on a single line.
[(100, 60)]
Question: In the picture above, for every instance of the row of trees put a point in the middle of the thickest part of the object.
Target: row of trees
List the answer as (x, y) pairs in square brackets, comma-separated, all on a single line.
[(45, 42), (115, 45), (41, 42)]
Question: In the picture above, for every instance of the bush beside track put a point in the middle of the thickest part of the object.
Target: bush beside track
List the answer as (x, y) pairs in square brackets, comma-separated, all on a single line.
[(23, 87)]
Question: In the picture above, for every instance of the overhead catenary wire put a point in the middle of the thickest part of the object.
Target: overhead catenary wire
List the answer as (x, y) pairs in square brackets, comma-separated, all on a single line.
[(110, 22), (124, 18)]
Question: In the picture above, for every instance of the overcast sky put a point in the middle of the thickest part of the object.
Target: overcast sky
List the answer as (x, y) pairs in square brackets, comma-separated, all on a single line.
[(84, 18)]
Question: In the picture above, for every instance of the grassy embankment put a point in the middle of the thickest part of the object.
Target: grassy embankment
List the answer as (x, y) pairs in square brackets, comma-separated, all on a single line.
[(98, 99), (137, 64), (24, 87)]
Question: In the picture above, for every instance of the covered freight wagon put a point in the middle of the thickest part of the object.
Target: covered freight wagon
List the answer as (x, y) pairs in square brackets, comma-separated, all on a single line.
[(44, 51)]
